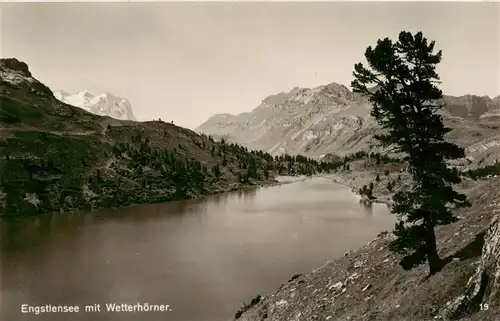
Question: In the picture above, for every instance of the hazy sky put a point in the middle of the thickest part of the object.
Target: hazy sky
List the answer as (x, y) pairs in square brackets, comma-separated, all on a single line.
[(188, 61)]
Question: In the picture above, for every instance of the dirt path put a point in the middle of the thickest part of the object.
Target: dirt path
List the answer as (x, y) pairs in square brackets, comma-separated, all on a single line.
[(59, 133)]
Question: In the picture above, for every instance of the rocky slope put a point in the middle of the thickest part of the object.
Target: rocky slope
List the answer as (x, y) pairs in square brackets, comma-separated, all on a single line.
[(104, 105), (368, 284), (56, 157), (331, 118)]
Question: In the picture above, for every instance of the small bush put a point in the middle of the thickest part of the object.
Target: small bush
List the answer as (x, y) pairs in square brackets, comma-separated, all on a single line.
[(484, 171), (296, 276), (246, 306)]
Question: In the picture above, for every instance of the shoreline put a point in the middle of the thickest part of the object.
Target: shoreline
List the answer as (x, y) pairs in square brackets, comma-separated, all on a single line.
[(354, 189), (268, 183), (286, 179), (228, 189)]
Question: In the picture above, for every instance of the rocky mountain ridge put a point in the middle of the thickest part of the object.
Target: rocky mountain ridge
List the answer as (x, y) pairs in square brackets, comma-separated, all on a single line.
[(331, 118)]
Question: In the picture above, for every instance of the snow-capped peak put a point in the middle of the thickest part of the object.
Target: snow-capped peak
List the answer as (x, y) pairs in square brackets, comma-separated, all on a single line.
[(84, 93), (105, 104)]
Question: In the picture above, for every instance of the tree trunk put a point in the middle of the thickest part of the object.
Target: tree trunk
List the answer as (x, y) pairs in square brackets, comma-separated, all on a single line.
[(435, 262)]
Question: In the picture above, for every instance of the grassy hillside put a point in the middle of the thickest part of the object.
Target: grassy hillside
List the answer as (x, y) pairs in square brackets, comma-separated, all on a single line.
[(56, 157)]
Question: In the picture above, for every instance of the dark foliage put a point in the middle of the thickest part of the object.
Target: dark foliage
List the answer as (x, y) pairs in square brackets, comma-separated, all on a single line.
[(484, 171), (400, 83)]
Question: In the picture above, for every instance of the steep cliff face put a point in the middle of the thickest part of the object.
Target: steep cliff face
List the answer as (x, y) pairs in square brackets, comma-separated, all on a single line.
[(330, 118)]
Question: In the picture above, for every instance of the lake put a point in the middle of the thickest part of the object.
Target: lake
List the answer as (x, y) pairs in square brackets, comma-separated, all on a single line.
[(199, 259)]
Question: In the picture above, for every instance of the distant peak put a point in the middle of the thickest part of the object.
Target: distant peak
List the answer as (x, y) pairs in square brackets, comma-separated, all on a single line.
[(338, 90), (103, 104), (221, 116), (108, 95), (62, 92), (334, 85), (331, 87), (297, 89), (85, 94)]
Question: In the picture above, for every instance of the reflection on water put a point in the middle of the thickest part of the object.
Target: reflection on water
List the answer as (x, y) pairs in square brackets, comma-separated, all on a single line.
[(203, 257), (367, 207)]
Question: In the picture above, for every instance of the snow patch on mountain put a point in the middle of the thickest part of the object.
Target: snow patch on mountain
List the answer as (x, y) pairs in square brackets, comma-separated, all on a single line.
[(105, 104)]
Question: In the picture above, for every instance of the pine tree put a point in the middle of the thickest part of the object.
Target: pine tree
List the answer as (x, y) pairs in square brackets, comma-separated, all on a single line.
[(405, 105), (252, 168), (216, 171)]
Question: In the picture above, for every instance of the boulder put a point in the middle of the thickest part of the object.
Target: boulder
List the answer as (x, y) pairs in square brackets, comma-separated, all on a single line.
[(483, 286)]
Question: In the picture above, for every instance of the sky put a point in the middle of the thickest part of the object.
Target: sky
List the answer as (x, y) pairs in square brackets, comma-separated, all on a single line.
[(186, 61)]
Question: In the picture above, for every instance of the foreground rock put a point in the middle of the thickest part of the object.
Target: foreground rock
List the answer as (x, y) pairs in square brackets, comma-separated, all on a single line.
[(368, 283), (483, 288)]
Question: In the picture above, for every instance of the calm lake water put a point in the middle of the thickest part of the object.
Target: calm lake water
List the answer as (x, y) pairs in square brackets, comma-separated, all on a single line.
[(201, 257)]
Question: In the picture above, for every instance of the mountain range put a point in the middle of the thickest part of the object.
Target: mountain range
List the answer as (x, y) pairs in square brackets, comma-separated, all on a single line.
[(55, 157), (105, 104), (332, 119)]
